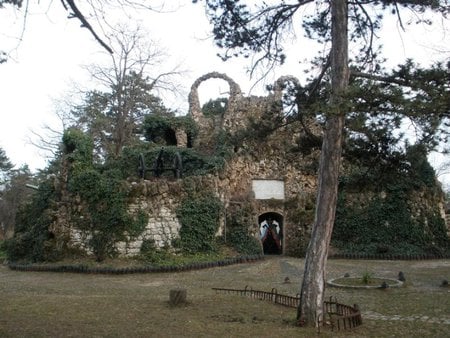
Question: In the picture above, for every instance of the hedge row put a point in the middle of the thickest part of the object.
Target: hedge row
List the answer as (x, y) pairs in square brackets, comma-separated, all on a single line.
[(202, 265), (137, 269)]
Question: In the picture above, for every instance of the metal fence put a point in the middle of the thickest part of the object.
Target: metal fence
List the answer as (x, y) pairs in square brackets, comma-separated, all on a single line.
[(338, 316)]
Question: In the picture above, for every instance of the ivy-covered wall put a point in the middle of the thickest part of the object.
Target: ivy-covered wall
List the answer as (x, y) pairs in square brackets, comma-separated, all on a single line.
[(222, 176), (114, 209)]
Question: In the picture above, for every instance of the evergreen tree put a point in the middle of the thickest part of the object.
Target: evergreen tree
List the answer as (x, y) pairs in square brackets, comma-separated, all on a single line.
[(259, 30), (14, 193), (5, 165)]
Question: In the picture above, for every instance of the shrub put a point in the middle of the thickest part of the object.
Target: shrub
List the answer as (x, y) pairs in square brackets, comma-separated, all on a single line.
[(150, 253), (243, 242), (366, 277)]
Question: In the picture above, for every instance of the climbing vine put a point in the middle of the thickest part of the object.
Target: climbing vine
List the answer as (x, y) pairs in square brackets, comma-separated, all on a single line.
[(78, 149), (300, 210), (238, 225), (386, 225), (390, 206), (103, 199), (161, 129), (104, 212), (32, 239), (199, 215)]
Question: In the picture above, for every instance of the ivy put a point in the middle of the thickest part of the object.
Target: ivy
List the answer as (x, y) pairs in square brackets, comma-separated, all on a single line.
[(386, 225), (78, 148), (301, 213), (237, 232), (199, 217), (157, 129), (161, 129), (32, 239), (396, 208), (437, 240), (104, 211)]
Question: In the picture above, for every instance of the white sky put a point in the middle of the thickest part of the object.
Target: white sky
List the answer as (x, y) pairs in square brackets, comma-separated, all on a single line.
[(48, 61)]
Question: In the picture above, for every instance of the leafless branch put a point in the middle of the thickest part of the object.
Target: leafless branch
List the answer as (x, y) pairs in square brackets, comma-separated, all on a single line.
[(76, 13)]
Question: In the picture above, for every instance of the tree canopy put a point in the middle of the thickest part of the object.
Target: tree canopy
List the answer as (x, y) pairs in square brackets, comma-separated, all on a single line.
[(5, 163), (351, 86)]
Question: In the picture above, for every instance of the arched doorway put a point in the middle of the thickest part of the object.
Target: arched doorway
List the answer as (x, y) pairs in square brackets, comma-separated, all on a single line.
[(271, 233)]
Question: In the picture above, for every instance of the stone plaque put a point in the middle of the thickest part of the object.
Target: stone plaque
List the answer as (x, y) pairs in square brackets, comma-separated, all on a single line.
[(268, 189)]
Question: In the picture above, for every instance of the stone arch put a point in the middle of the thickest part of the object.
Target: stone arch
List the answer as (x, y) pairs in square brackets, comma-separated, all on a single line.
[(271, 229), (194, 101), (208, 129), (280, 85)]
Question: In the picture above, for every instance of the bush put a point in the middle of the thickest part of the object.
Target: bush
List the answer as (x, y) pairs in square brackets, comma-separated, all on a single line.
[(149, 253), (243, 242)]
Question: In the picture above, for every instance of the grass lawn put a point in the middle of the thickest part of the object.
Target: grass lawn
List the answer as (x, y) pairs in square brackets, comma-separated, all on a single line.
[(45, 304)]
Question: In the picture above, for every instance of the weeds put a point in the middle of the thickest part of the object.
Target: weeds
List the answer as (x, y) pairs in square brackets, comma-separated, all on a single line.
[(366, 277)]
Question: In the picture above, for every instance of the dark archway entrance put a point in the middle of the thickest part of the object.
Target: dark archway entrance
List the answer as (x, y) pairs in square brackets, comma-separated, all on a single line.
[(271, 233)]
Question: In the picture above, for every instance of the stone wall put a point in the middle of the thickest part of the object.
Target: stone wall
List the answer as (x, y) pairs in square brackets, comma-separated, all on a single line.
[(263, 159), (270, 157), (160, 198)]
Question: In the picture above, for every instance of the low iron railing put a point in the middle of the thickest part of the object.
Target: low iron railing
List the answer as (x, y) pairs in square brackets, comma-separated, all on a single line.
[(338, 316)]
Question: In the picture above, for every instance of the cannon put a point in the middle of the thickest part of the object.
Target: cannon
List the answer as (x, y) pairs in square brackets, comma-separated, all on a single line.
[(158, 165)]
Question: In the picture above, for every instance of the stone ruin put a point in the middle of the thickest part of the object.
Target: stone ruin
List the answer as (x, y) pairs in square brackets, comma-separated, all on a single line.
[(261, 175)]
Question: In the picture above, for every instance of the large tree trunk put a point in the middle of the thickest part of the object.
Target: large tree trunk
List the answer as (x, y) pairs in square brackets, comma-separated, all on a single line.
[(310, 311)]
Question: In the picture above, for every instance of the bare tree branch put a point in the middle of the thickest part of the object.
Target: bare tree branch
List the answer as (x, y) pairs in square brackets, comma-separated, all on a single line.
[(76, 13)]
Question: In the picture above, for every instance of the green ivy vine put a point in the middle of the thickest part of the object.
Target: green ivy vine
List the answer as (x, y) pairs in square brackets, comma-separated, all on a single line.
[(199, 216), (104, 212), (239, 222), (385, 225)]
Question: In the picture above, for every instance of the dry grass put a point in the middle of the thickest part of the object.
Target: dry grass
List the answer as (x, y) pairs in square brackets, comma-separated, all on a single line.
[(42, 304)]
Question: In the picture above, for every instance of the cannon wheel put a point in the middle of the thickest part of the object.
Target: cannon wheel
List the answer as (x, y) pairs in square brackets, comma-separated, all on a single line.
[(142, 169), (158, 165), (177, 165)]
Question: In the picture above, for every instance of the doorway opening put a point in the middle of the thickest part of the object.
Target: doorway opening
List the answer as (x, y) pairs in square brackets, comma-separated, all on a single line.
[(271, 233)]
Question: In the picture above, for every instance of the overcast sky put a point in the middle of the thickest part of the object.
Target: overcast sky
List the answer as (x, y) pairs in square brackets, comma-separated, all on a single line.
[(44, 66)]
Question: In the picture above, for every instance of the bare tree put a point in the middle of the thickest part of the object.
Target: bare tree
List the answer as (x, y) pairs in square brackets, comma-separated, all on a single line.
[(135, 71), (94, 15), (130, 51)]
